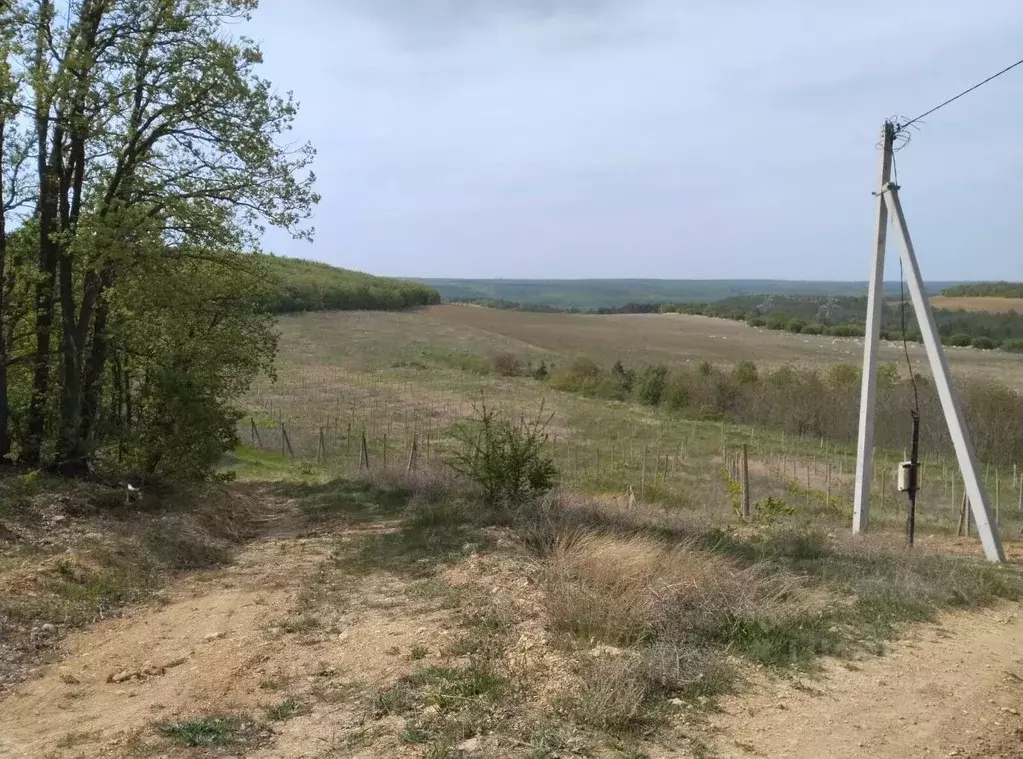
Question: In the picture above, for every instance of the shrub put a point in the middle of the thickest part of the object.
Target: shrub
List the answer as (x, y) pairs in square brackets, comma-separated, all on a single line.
[(845, 330), (795, 326), (541, 372), (984, 343), (757, 321), (506, 461), (1013, 346), (586, 368), (813, 328), (677, 394), (745, 373), (507, 365), (626, 378), (651, 384), (959, 340)]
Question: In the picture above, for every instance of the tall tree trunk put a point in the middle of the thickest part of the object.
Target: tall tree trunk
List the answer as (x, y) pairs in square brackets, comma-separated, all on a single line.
[(95, 366), (32, 452), (5, 416)]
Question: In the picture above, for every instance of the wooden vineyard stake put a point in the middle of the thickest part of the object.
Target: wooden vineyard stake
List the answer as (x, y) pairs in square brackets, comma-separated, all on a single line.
[(348, 440), (998, 500), (642, 478), (385, 451), (320, 453), (827, 497), (286, 442), (256, 442), (364, 461), (412, 454), (744, 483)]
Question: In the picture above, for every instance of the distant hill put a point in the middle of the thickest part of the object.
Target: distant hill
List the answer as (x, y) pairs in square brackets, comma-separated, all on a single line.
[(312, 286), (591, 294)]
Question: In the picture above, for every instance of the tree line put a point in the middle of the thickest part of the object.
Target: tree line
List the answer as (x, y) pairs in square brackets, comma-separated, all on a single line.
[(802, 402), (839, 316), (985, 290), (141, 151), (302, 285)]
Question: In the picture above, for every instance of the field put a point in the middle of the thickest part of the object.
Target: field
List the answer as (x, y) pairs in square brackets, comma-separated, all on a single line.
[(990, 304), (349, 595)]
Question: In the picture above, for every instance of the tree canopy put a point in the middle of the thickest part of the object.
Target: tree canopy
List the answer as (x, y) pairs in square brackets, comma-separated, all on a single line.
[(141, 152)]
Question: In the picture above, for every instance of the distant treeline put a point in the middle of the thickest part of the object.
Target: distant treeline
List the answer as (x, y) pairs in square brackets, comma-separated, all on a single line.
[(985, 290), (312, 286), (841, 316), (591, 294)]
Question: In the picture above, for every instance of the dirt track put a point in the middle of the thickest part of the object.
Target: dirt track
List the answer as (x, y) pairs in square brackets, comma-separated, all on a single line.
[(213, 642)]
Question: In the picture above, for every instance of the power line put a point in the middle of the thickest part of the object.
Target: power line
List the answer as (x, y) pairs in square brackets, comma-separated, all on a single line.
[(902, 127)]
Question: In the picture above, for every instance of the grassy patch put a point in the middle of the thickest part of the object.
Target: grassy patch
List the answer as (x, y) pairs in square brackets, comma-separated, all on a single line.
[(285, 710), (202, 731)]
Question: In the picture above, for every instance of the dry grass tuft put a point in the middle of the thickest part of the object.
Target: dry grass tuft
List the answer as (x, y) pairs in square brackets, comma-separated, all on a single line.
[(624, 590), (613, 694)]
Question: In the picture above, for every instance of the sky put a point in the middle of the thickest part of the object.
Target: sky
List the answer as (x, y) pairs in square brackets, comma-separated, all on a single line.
[(650, 138)]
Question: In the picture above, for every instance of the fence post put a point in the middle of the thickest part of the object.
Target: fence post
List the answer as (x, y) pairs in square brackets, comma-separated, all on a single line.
[(256, 442), (642, 479), (998, 499), (412, 454), (364, 460), (385, 451), (320, 452), (744, 483)]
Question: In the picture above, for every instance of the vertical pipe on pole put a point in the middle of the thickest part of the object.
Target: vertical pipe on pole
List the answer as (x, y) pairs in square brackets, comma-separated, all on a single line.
[(950, 405), (871, 342)]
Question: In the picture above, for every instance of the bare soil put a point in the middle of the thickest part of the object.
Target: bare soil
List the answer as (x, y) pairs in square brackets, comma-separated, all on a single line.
[(951, 689), (239, 640)]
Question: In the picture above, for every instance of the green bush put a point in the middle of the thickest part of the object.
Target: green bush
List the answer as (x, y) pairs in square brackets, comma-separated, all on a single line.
[(984, 343), (960, 341), (650, 385), (677, 395), (745, 373), (795, 326), (505, 460), (813, 328), (757, 321), (1013, 346)]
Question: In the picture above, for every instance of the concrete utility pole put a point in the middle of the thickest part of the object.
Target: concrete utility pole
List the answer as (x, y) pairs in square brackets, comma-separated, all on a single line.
[(889, 203), (871, 340)]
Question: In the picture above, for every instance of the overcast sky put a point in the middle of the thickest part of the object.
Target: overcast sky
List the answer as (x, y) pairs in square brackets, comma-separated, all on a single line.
[(650, 138)]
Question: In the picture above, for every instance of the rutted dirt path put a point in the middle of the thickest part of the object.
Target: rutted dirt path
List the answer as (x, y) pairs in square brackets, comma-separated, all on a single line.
[(952, 689), (235, 641), (213, 643)]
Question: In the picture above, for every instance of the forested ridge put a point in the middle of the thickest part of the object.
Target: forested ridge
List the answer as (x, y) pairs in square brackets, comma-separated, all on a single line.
[(303, 285)]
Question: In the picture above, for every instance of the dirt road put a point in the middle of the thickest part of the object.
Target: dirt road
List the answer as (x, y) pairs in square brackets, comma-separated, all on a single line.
[(952, 689), (234, 641)]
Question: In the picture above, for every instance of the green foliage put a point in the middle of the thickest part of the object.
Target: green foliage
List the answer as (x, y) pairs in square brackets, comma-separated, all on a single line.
[(983, 343), (959, 340), (985, 289), (541, 372), (202, 732), (734, 488), (651, 384), (745, 373), (506, 461), (770, 509), (131, 319), (302, 285), (1012, 346)]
